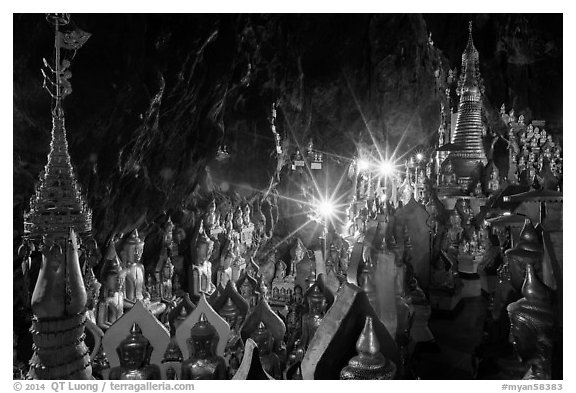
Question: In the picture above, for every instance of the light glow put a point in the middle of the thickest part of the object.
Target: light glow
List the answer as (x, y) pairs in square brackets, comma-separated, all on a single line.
[(419, 156), (386, 168), (363, 164), (326, 208)]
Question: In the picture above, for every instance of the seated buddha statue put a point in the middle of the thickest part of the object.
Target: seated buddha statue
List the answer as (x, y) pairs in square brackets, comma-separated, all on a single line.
[(110, 305), (370, 363), (203, 362), (311, 320), (494, 181), (167, 294), (200, 274), (134, 353), (134, 276), (270, 361), (248, 288), (454, 234), (448, 176)]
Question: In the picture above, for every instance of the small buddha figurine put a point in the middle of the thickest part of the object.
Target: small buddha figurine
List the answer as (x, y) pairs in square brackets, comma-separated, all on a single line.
[(312, 319), (134, 271), (270, 361), (370, 363), (532, 327), (238, 220), (448, 175), (247, 288), (478, 190), (246, 222), (293, 325), (455, 232), (110, 305), (200, 273), (166, 285), (210, 220), (203, 362), (134, 353)]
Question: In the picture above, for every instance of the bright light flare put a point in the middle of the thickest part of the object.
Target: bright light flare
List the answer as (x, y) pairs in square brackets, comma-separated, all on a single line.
[(386, 168), (419, 156), (363, 164), (326, 208)]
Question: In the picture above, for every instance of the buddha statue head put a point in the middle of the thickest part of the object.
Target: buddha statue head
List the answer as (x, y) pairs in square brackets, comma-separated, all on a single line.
[(230, 312), (263, 338), (132, 248), (135, 350), (111, 276), (370, 363), (316, 301), (203, 337)]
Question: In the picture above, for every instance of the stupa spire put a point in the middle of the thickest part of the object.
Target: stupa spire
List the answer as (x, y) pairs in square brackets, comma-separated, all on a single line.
[(58, 204), (467, 137)]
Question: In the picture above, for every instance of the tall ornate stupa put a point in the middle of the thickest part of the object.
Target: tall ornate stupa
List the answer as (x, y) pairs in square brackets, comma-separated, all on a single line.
[(468, 148), (57, 213), (58, 204)]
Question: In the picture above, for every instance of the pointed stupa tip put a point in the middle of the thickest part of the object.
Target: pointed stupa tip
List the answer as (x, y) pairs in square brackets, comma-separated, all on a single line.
[(368, 342), (202, 318), (135, 329), (533, 289), (261, 326)]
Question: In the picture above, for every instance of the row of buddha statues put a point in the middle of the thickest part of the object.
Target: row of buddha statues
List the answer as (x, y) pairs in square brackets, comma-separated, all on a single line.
[(533, 153), (277, 304)]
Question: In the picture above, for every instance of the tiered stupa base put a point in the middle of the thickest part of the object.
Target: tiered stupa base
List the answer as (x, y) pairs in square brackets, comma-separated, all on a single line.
[(59, 349)]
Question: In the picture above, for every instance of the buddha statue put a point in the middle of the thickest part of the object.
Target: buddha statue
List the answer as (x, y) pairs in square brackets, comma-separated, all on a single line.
[(203, 362), (238, 266), (311, 320), (370, 363), (224, 270), (134, 353), (238, 220), (134, 284), (248, 289), (167, 294), (448, 174), (293, 325), (454, 234), (494, 182), (210, 220), (110, 305), (532, 327), (200, 273), (270, 361)]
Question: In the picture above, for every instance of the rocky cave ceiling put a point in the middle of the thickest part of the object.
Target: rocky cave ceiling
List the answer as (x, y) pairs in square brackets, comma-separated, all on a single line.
[(154, 96)]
